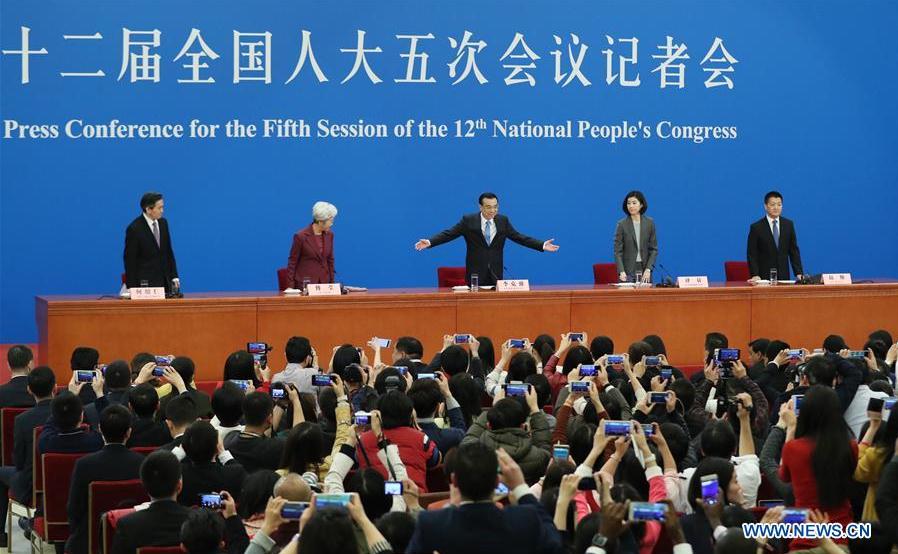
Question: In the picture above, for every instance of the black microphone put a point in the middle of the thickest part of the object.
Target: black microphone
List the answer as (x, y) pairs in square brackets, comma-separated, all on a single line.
[(666, 282)]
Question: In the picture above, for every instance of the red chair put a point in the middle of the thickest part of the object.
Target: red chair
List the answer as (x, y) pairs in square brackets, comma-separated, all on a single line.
[(144, 450), (7, 426), (109, 522), (428, 498), (37, 473), (207, 387), (283, 278), (604, 274), (53, 525), (450, 277), (19, 508), (437, 480), (103, 496), (736, 271), (689, 370), (159, 550)]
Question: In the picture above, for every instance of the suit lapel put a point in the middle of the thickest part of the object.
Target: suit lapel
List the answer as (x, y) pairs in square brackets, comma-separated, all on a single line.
[(479, 230)]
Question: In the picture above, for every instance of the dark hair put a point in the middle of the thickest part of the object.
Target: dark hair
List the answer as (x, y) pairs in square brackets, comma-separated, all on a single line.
[(67, 410), (41, 381), (115, 421), (883, 335), (327, 401), (587, 528), (820, 371), (775, 347), (149, 199), (724, 469), (227, 404), (487, 353), (544, 346), (578, 355), (556, 470), (345, 355), (144, 400), (677, 441), (389, 379), (486, 195), (353, 373), (657, 344), (521, 365), (303, 448), (685, 391), (759, 345), (834, 344), (581, 441), (714, 340), (507, 413), (181, 410), (543, 390), (329, 531), (410, 346), (454, 359), (638, 350), (397, 528), (298, 349), (718, 439), (395, 410), (772, 194), (138, 361), (882, 385), (886, 436), (821, 420), (258, 488), (241, 366), (474, 467), (467, 392), (185, 368), (202, 531), (369, 484), (426, 397), (160, 473), (638, 196), (117, 375), (19, 356), (601, 346), (879, 348), (257, 407), (84, 358), (200, 442)]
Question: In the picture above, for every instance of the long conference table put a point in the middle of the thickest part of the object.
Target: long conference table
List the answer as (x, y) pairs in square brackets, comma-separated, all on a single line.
[(209, 326)]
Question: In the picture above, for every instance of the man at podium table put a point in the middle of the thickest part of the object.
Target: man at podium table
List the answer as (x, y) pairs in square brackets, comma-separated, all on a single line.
[(485, 233), (149, 258)]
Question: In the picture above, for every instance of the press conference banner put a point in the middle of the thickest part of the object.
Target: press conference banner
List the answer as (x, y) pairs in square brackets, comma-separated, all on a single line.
[(402, 113)]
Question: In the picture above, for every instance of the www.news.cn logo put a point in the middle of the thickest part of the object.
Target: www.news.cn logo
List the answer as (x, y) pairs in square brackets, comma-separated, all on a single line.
[(810, 531)]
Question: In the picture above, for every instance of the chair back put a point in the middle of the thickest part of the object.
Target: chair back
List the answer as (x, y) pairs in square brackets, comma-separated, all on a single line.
[(207, 387), (7, 428), (103, 496), (437, 480), (37, 469), (144, 450), (450, 276), (56, 493), (283, 278), (604, 274), (159, 550), (109, 522), (736, 271)]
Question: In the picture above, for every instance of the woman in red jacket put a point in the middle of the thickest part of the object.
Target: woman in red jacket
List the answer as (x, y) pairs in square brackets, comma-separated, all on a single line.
[(312, 253)]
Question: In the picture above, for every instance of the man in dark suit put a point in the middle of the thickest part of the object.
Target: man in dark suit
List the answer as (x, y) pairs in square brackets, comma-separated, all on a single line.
[(111, 387), (65, 431), (14, 394), (772, 243), (148, 252), (206, 467), (485, 233), (113, 463), (180, 413), (145, 430), (477, 525), (41, 383), (186, 369), (160, 523)]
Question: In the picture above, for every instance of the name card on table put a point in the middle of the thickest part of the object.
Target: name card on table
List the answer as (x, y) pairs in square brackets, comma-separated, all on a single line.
[(325, 289), (836, 279), (147, 293), (512, 285), (694, 282)]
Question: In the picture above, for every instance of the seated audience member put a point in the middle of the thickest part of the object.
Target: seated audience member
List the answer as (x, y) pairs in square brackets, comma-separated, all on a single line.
[(186, 369), (343, 356), (180, 413), (477, 525), (335, 530), (160, 523), (206, 467), (704, 525), (467, 391), (713, 341), (258, 487), (205, 530), (85, 358), (411, 349), (820, 460), (14, 393), (856, 413), (540, 384), (601, 346), (428, 395), (241, 366), (362, 396), (114, 462), (876, 449), (416, 450), (455, 358), (300, 365), (397, 528), (227, 404), (18, 479), (64, 432), (574, 354), (757, 357), (253, 447), (657, 344), (487, 354), (714, 387), (503, 425), (111, 387), (145, 430)]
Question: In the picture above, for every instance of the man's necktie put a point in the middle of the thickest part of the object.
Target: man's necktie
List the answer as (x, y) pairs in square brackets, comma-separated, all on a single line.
[(776, 233), (156, 233), (487, 232)]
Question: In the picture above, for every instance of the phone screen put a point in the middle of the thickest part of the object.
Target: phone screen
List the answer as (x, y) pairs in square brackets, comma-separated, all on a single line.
[(616, 428), (709, 489)]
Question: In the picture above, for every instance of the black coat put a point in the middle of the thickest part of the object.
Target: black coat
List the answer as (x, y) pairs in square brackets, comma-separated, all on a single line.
[(14, 394), (144, 259), (23, 447), (764, 255), (486, 260), (210, 477), (158, 525)]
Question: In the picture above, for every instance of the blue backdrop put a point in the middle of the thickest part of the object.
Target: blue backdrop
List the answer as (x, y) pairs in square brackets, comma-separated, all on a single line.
[(813, 102)]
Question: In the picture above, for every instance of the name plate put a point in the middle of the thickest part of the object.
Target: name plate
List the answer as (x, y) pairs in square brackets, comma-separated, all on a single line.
[(512, 285), (324, 289), (147, 293), (694, 282), (836, 278)]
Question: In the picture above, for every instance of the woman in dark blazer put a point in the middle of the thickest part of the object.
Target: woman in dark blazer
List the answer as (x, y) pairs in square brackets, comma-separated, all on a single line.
[(635, 244), (312, 253)]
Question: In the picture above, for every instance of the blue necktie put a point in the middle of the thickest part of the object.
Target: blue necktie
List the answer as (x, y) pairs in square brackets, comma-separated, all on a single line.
[(776, 232), (487, 234)]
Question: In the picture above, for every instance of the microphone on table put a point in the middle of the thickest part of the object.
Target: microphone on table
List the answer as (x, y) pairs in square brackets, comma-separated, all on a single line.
[(666, 282)]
